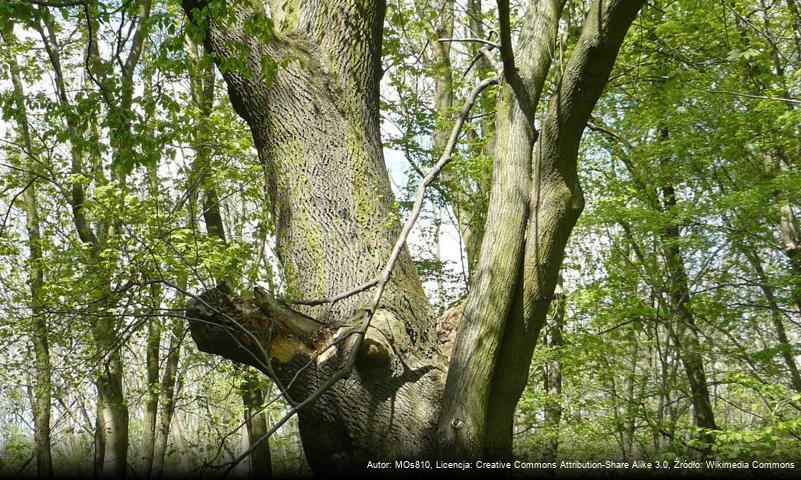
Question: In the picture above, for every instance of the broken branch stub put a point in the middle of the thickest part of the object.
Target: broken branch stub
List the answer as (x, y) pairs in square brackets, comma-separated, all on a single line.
[(262, 332), (257, 332)]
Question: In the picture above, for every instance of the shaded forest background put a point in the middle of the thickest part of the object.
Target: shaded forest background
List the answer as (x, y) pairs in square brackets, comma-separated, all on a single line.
[(128, 185)]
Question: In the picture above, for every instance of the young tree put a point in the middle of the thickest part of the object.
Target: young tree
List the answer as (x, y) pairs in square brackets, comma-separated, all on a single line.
[(113, 85), (39, 327)]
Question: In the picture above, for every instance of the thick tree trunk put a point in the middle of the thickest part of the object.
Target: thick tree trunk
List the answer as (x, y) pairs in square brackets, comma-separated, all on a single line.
[(470, 425), (316, 128)]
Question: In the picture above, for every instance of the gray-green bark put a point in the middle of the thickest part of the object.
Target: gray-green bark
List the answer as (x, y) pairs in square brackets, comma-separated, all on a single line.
[(316, 128), (555, 202), (39, 330), (256, 423), (553, 377), (685, 329)]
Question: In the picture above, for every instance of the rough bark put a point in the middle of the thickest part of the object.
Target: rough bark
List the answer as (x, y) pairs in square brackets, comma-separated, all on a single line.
[(39, 331), (316, 128), (463, 422), (555, 202)]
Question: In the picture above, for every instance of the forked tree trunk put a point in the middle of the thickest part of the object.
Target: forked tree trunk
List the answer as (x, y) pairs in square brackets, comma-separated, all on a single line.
[(315, 124), (111, 434), (555, 200)]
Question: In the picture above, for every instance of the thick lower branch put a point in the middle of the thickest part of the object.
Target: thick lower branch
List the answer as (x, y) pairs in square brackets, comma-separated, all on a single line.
[(262, 332), (255, 332)]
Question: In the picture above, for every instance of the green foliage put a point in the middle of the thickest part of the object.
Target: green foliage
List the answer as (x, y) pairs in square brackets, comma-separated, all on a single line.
[(703, 100)]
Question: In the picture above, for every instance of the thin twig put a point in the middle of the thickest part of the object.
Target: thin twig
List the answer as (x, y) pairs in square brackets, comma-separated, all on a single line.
[(473, 40)]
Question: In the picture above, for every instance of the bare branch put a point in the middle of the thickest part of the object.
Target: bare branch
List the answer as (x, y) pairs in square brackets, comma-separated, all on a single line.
[(61, 4), (468, 40)]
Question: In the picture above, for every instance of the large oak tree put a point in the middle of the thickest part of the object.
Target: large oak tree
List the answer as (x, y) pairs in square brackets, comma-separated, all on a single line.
[(358, 350)]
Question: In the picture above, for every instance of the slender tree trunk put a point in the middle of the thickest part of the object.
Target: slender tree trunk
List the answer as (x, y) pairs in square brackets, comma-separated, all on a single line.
[(252, 397), (112, 408), (256, 422), (154, 327), (152, 394), (41, 404), (665, 357), (111, 438), (792, 249), (553, 377), (686, 331), (776, 317), (630, 426), (444, 103), (167, 395)]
